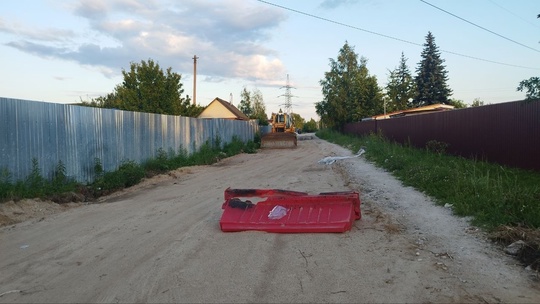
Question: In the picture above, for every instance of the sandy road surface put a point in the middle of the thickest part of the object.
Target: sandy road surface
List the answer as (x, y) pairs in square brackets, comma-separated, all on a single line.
[(162, 243)]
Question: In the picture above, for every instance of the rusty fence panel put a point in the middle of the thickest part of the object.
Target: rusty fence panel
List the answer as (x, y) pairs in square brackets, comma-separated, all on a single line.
[(76, 136), (506, 133)]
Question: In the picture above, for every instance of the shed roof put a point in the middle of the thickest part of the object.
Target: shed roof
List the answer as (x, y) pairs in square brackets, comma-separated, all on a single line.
[(420, 110)]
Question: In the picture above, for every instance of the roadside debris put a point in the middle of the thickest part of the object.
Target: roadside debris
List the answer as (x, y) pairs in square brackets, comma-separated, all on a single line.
[(515, 248), (277, 212), (521, 242), (332, 159), (286, 211), (10, 291)]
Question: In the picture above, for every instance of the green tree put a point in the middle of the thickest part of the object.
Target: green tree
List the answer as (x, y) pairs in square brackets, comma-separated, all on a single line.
[(457, 103), (349, 92), (431, 78), (190, 110), (108, 101), (146, 88), (245, 102), (310, 126), (298, 121), (477, 102), (400, 88), (252, 104), (259, 108), (532, 87)]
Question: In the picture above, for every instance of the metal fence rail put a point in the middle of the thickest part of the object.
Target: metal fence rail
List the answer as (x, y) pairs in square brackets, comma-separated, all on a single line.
[(506, 133), (76, 136)]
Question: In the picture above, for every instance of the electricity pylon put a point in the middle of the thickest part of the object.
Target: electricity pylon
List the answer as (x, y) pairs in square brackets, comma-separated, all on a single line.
[(288, 96)]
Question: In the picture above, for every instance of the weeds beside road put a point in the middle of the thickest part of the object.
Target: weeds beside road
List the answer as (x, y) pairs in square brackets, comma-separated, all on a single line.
[(61, 189), (503, 200)]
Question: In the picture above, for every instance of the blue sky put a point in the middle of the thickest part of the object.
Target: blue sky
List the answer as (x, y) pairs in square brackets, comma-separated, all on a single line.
[(65, 51)]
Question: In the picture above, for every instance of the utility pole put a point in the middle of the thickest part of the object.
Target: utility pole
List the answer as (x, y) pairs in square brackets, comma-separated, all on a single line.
[(195, 79)]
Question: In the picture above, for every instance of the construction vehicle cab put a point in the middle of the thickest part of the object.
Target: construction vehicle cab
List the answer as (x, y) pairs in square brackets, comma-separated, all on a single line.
[(283, 133), (282, 122)]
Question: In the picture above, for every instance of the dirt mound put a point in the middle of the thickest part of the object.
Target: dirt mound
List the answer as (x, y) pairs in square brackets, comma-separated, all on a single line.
[(12, 212)]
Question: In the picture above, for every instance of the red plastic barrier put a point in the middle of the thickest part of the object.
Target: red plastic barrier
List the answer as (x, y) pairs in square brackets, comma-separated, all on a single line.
[(301, 212)]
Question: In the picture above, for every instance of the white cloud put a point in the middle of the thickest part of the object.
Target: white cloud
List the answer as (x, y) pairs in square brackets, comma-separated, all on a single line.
[(95, 9), (258, 67), (124, 26), (26, 32), (229, 35)]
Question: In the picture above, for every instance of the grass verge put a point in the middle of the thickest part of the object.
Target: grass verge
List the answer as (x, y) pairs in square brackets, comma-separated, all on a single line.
[(505, 201), (61, 189)]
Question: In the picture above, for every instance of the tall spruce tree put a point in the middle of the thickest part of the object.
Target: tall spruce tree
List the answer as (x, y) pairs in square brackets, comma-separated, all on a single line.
[(431, 78), (259, 108), (245, 102), (400, 88)]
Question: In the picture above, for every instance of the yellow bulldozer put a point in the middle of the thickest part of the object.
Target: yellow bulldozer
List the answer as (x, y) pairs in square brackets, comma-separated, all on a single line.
[(283, 133)]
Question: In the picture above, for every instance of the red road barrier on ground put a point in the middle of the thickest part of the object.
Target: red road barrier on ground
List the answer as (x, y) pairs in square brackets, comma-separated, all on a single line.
[(286, 211)]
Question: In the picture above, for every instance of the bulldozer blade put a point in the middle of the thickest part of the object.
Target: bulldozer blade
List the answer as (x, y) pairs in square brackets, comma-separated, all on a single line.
[(279, 140)]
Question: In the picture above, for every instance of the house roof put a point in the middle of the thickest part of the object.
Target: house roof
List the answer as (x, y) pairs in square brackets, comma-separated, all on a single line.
[(230, 107), (420, 110)]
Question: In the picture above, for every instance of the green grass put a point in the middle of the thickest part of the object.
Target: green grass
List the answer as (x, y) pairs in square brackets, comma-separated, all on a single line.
[(493, 195), (129, 173)]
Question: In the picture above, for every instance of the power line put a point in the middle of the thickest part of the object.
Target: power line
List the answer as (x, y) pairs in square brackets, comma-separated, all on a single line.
[(481, 27), (390, 37), (338, 23), (512, 13)]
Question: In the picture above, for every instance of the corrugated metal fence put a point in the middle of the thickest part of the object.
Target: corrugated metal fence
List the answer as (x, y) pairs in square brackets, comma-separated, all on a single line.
[(505, 133), (77, 135)]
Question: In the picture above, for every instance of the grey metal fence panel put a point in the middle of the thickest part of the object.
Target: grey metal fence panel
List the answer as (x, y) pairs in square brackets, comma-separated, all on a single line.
[(52, 133)]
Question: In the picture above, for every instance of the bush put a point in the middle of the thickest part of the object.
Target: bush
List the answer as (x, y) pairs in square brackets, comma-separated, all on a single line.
[(128, 173), (438, 147)]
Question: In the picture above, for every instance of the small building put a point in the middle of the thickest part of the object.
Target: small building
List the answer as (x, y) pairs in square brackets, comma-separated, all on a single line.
[(220, 108), (414, 111)]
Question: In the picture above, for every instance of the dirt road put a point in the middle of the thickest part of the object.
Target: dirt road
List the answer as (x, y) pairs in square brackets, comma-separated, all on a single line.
[(161, 242)]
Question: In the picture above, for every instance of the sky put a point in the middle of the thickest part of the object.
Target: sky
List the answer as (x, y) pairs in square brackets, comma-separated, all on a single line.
[(67, 51)]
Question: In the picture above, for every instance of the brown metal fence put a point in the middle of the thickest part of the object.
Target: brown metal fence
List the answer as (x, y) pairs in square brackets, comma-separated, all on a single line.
[(505, 133)]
